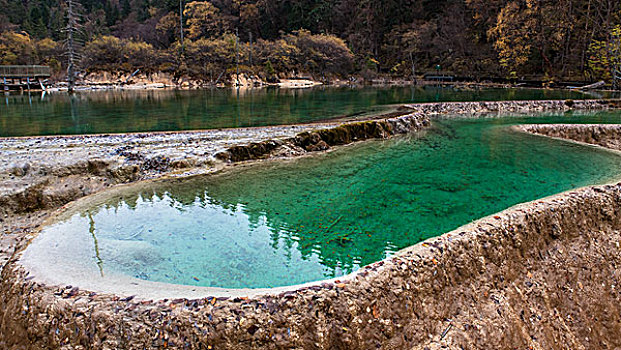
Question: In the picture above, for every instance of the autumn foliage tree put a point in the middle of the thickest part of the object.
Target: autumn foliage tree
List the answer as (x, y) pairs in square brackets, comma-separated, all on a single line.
[(541, 39), (513, 35), (21, 48), (203, 20), (16, 48), (209, 58), (605, 57), (111, 54), (323, 54)]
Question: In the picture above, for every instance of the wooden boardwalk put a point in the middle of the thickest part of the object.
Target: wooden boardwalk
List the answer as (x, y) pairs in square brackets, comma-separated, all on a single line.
[(23, 77)]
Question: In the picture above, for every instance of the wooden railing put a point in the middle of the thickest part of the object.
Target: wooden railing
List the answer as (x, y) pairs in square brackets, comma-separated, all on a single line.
[(25, 71)]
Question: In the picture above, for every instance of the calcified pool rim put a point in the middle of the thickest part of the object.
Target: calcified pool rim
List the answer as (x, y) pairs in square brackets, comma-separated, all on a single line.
[(122, 284)]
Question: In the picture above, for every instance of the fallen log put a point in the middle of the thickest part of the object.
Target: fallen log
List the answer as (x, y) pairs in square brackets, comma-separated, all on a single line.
[(131, 76), (589, 87)]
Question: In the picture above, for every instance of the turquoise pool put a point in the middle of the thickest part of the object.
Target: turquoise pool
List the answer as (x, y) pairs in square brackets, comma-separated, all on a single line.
[(289, 222)]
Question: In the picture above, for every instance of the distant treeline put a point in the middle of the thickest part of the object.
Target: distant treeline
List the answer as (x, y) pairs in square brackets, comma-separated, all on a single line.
[(542, 39)]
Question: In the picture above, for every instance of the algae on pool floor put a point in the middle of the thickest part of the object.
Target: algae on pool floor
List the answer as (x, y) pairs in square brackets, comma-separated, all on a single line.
[(290, 222)]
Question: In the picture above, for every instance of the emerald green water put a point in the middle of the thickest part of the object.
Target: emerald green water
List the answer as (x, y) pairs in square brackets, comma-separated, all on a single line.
[(171, 110), (289, 222)]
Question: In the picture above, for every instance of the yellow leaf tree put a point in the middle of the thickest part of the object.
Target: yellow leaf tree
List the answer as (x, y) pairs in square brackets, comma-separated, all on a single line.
[(530, 32), (203, 20), (16, 48), (605, 57), (513, 35)]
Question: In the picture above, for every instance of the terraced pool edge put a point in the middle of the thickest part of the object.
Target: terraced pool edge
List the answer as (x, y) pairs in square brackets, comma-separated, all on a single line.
[(606, 136), (404, 301)]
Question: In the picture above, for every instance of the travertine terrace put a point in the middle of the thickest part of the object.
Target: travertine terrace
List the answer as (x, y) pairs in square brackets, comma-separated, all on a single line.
[(543, 274)]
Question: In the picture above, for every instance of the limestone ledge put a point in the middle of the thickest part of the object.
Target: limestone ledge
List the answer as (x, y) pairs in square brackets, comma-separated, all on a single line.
[(44, 173), (47, 172), (324, 139), (512, 107), (608, 136)]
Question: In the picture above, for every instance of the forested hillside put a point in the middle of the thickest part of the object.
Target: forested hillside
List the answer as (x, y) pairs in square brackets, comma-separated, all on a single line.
[(545, 39)]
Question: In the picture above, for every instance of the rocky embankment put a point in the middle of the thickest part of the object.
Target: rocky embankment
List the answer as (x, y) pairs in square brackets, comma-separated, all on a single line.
[(540, 275)]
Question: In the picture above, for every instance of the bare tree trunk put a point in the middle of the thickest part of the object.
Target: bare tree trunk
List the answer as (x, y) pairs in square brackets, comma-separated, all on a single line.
[(72, 55), (237, 55), (615, 58), (567, 39), (586, 43), (181, 23)]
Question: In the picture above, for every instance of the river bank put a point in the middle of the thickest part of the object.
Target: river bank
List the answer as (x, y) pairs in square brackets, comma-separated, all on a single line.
[(500, 273), (107, 81)]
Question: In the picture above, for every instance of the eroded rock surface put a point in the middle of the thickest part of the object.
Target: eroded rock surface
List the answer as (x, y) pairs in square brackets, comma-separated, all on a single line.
[(324, 139)]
